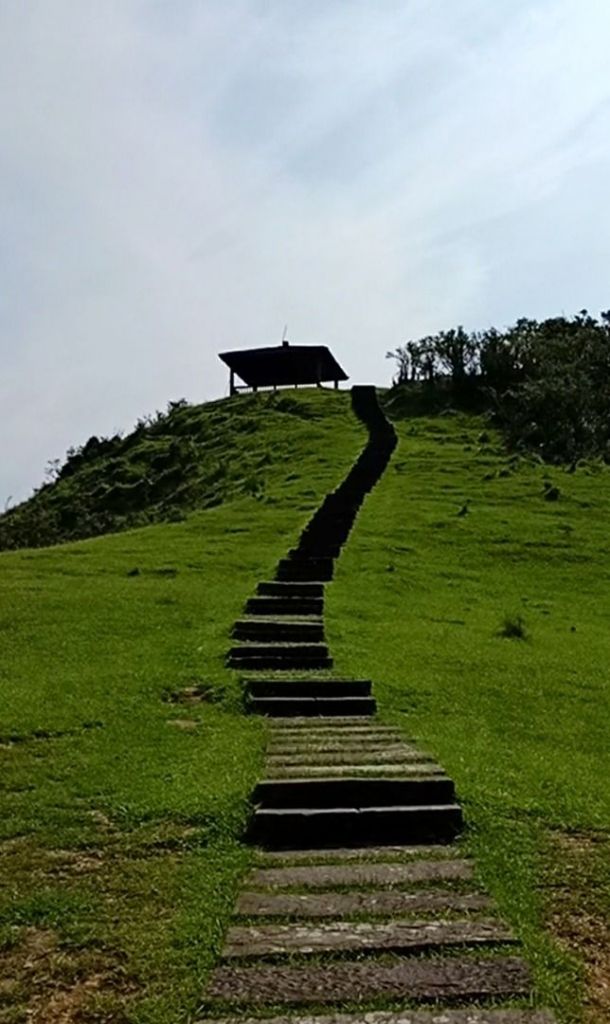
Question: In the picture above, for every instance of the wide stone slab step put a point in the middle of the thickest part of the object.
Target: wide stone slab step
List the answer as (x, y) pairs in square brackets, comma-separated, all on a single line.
[(297, 706), (309, 687), (285, 606), (305, 569), (452, 979), (280, 663), (343, 726), (378, 903), (384, 874), (299, 745), (362, 937), (285, 827), (268, 631), (280, 649), (392, 755), (473, 1015), (278, 588), (352, 854), (356, 771), (361, 793)]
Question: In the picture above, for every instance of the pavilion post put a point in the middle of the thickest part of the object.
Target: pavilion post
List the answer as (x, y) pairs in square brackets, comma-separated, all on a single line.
[(232, 382)]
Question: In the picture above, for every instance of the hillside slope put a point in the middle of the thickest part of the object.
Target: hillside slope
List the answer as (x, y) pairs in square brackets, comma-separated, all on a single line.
[(125, 761), (191, 457), (475, 591)]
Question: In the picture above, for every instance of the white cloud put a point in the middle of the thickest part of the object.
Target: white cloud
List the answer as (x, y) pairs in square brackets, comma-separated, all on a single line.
[(178, 179)]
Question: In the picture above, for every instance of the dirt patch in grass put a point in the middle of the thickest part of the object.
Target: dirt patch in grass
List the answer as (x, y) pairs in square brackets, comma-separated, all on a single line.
[(54, 984), (579, 912), (186, 724)]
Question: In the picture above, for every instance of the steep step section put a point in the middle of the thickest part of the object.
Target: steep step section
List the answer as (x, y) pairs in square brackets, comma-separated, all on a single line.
[(330, 826), (362, 793)]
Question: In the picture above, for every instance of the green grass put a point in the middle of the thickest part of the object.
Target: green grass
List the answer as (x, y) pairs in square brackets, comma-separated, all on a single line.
[(119, 830), (421, 602), (478, 606)]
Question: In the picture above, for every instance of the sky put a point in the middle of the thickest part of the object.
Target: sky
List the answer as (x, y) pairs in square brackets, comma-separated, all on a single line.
[(179, 179)]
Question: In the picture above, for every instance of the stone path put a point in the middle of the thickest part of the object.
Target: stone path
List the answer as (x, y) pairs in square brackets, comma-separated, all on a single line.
[(359, 896)]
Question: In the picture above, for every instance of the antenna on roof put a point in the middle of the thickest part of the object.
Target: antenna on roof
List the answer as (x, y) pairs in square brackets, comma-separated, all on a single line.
[(284, 342)]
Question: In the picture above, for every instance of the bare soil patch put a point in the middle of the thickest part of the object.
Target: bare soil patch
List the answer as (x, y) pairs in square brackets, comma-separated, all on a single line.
[(578, 912)]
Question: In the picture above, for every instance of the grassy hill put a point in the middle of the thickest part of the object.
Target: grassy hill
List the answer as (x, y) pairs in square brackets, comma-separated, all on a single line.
[(191, 457), (479, 606)]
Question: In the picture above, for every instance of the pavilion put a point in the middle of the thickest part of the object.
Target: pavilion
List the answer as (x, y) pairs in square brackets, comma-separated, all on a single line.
[(282, 365)]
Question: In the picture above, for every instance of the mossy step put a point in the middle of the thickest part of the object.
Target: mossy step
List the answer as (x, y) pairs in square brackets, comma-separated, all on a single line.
[(331, 826), (433, 980), (361, 793), (378, 903), (363, 873), (473, 1015), (309, 687), (314, 706), (279, 588), (354, 855)]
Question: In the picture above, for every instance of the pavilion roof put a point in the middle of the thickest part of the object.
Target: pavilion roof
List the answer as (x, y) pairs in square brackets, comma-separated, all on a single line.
[(284, 364)]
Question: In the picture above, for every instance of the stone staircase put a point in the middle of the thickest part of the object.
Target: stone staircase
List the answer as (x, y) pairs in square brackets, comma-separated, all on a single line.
[(360, 897)]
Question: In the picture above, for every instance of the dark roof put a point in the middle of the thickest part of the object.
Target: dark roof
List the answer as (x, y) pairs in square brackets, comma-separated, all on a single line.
[(284, 364)]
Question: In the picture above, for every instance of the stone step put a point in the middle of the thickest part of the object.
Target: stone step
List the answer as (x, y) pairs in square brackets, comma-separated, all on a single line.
[(368, 937), (333, 826), (319, 545), (309, 687), (361, 793), (280, 588), (358, 771), (254, 657), (285, 606), (392, 755), (336, 726), (319, 570), (385, 874), (278, 663), (286, 706), (339, 746), (280, 649), (473, 1015), (268, 631), (452, 979), (353, 854), (378, 903)]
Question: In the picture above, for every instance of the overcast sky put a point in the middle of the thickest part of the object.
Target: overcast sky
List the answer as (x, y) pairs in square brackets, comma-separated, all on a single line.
[(180, 178)]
